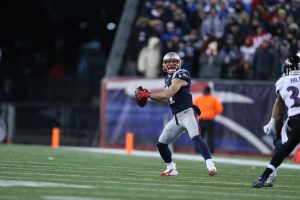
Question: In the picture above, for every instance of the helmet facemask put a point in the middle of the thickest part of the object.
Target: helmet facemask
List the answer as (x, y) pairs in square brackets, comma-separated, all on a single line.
[(171, 62)]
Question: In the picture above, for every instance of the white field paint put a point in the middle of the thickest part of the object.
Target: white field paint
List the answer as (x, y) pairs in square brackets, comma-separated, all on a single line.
[(236, 161), (74, 198), (8, 183)]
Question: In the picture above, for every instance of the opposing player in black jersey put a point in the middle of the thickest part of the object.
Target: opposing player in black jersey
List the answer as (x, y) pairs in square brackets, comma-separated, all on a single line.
[(177, 93), (287, 89)]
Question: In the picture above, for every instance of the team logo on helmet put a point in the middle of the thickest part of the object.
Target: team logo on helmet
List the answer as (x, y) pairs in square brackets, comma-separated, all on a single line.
[(171, 62)]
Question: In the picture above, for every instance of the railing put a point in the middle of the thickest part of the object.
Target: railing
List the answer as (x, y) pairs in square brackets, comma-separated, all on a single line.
[(32, 123)]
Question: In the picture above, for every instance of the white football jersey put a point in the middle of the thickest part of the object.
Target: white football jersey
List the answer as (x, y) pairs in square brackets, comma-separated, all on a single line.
[(289, 90)]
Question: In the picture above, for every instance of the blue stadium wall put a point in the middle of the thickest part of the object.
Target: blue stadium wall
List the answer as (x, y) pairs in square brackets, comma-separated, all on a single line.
[(247, 107)]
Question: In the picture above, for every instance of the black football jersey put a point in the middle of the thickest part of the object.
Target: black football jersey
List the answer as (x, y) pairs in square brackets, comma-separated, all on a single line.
[(182, 99)]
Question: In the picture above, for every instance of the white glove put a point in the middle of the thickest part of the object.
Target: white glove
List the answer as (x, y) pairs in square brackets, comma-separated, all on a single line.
[(269, 127)]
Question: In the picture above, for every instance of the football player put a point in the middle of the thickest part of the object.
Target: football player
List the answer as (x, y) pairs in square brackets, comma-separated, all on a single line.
[(287, 89), (185, 115)]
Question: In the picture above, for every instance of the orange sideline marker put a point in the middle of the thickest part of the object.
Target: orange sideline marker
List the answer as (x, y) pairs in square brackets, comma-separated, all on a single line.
[(55, 137), (129, 142), (296, 157)]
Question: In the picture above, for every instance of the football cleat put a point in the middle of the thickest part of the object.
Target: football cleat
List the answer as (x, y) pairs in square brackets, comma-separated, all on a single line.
[(211, 168), (258, 183), (169, 172), (212, 172), (270, 181)]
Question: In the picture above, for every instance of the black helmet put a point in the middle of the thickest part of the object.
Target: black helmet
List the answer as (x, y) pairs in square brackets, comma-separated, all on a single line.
[(291, 63)]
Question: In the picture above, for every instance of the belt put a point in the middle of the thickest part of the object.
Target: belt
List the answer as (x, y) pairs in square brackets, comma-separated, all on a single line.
[(175, 114)]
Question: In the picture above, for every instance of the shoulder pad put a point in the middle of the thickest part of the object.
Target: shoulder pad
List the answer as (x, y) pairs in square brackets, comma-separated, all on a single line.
[(182, 74)]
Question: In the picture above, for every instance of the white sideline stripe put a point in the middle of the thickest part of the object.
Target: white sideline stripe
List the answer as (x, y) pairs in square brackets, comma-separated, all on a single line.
[(237, 161), (8, 183), (73, 198)]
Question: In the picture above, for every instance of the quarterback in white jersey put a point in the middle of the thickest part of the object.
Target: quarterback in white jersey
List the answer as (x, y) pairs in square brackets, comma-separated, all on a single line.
[(287, 136)]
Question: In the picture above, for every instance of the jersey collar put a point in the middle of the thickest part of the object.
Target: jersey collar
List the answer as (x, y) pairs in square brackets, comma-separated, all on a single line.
[(295, 72)]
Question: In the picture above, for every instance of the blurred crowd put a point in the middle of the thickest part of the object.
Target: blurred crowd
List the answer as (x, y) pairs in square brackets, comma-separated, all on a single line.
[(218, 39)]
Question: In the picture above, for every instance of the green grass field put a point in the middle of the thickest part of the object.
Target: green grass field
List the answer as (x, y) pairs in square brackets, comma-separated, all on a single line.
[(36, 172)]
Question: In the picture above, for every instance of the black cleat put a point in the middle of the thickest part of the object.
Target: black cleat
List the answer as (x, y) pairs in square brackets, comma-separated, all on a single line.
[(268, 184), (270, 181), (259, 183)]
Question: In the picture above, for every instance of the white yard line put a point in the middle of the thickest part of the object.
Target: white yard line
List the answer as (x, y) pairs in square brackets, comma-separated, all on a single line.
[(74, 198), (9, 183)]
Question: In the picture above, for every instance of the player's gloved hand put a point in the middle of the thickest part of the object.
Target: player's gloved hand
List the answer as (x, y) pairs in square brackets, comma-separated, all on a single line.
[(141, 96), (269, 127)]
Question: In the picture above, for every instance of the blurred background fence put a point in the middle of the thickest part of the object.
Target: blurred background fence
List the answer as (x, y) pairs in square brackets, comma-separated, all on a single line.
[(32, 123)]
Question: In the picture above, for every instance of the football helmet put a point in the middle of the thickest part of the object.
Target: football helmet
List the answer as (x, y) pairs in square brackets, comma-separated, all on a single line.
[(291, 64), (171, 62)]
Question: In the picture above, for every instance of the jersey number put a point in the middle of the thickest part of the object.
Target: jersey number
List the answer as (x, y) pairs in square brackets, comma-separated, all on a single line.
[(294, 96)]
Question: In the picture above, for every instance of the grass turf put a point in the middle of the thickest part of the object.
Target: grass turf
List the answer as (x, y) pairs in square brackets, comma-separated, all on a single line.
[(91, 176)]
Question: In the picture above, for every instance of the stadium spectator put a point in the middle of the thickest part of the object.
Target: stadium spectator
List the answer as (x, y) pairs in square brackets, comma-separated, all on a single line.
[(195, 43), (224, 11), (294, 10), (282, 48), (197, 17), (264, 61), (258, 20), (149, 59), (157, 12), (234, 29), (157, 28), (229, 58), (171, 45), (213, 25), (242, 15), (210, 62), (276, 27), (169, 32), (210, 107), (142, 33), (291, 34), (181, 25), (247, 53), (211, 4), (186, 53)]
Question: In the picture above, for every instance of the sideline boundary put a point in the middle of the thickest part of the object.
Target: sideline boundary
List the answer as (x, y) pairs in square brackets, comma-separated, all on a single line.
[(217, 159)]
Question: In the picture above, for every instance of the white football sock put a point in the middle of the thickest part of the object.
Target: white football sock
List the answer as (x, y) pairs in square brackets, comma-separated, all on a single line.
[(171, 165)]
